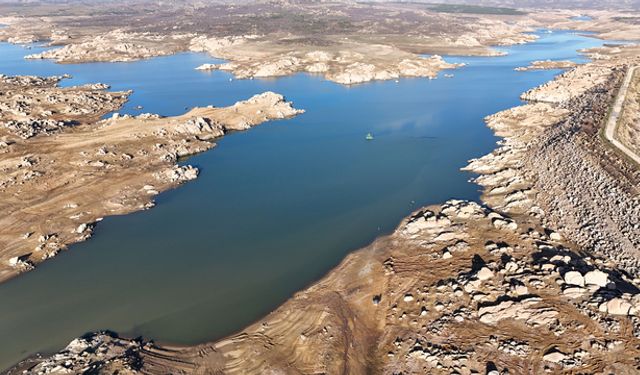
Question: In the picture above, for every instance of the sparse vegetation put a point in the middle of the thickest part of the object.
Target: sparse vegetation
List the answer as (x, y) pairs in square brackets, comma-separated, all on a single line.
[(628, 20), (470, 9), (474, 9)]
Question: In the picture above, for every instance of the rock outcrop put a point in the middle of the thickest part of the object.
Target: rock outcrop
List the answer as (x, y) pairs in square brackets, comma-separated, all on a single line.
[(99, 352), (553, 165), (355, 63), (90, 168), (547, 65), (33, 105), (497, 301), (116, 46), (541, 279)]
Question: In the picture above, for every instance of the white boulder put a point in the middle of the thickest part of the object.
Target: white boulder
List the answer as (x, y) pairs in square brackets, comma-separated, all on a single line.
[(596, 277), (574, 278), (617, 306), (554, 356), (484, 274)]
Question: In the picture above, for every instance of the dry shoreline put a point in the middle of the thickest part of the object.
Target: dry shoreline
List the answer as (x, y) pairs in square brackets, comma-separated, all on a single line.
[(64, 169), (547, 65), (517, 284), (48, 240), (542, 278), (345, 57), (338, 51), (384, 48)]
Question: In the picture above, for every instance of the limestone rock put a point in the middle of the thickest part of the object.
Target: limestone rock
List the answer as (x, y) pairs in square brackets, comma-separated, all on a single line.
[(208, 67), (525, 310), (574, 278), (596, 277), (617, 306), (484, 274), (199, 125), (554, 356)]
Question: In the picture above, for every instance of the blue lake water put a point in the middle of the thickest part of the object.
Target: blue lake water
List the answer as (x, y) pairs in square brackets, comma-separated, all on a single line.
[(274, 207), (581, 18)]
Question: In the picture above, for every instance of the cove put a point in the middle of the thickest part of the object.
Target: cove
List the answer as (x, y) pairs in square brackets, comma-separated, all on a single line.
[(275, 207)]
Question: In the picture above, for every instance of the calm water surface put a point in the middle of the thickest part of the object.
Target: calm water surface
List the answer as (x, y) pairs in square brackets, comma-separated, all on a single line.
[(274, 207), (581, 18)]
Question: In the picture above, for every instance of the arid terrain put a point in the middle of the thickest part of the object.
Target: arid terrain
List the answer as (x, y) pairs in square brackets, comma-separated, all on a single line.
[(366, 42), (547, 64), (63, 169), (345, 42), (542, 276), (628, 129)]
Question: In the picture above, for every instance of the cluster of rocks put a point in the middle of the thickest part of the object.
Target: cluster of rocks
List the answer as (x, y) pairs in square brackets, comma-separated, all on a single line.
[(201, 126), (506, 187), (179, 174), (502, 301), (570, 84), (100, 167), (116, 46), (94, 353), (216, 45), (547, 65), (31, 127), (523, 285), (343, 67), (47, 246), (34, 105), (551, 166), (31, 81), (21, 263)]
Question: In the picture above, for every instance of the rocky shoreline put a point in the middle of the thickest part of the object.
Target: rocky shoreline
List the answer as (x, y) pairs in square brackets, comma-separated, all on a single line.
[(64, 169), (542, 278), (352, 42), (382, 49), (568, 177), (343, 67), (547, 65)]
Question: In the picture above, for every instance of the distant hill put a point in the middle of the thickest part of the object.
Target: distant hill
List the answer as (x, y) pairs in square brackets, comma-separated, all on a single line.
[(566, 4)]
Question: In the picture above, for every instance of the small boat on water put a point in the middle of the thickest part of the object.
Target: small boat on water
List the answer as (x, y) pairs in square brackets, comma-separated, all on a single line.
[(369, 137)]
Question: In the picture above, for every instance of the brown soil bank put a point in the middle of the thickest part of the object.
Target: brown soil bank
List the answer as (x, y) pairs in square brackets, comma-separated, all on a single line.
[(461, 288)]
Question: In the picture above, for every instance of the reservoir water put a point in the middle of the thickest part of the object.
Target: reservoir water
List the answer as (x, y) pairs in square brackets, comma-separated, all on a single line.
[(581, 18), (275, 207)]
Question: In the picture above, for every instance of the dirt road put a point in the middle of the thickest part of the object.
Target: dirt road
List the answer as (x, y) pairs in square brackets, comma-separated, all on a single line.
[(612, 124)]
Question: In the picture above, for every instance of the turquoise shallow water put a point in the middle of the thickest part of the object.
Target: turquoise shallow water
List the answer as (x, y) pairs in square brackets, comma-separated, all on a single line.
[(274, 207)]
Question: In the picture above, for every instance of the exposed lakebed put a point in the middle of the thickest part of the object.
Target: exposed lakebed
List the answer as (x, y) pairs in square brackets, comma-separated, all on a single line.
[(274, 207)]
